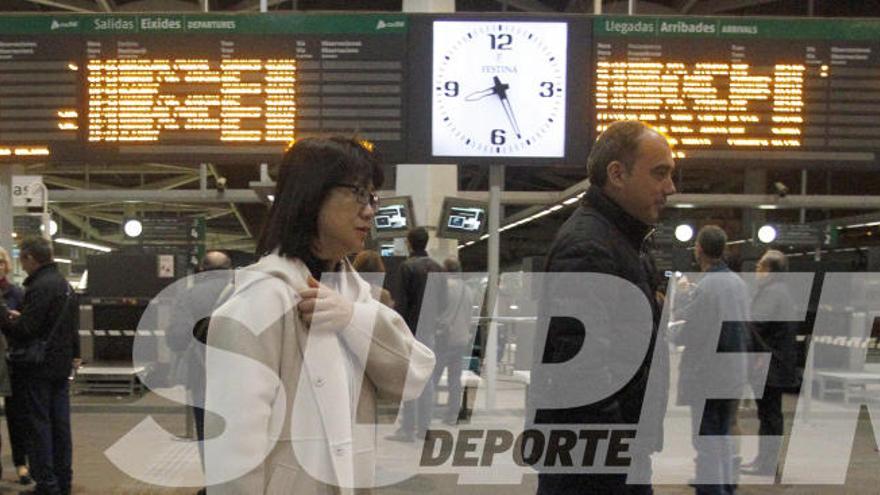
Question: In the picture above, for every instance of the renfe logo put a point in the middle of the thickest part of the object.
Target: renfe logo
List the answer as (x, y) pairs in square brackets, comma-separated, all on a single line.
[(383, 25), (64, 25)]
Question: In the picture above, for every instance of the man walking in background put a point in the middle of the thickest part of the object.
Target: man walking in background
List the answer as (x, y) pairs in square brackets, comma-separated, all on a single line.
[(719, 300)]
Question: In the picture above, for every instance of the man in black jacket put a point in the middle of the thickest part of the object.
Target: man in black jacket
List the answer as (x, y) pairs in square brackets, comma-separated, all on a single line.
[(50, 313), (412, 284), (630, 169), (779, 339)]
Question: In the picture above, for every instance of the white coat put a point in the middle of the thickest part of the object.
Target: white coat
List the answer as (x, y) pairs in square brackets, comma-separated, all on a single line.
[(288, 406)]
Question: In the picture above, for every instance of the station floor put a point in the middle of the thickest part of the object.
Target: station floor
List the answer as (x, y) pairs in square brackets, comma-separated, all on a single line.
[(100, 421)]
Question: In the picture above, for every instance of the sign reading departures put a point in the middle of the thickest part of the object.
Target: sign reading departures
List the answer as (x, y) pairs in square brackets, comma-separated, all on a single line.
[(513, 89)]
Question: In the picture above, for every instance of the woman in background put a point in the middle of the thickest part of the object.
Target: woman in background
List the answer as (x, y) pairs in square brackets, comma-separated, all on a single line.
[(369, 261), (13, 296)]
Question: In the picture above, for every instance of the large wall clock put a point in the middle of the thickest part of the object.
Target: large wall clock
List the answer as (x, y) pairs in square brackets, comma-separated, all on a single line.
[(499, 89)]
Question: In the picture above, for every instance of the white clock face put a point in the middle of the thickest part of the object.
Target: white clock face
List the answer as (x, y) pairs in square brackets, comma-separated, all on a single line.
[(499, 89)]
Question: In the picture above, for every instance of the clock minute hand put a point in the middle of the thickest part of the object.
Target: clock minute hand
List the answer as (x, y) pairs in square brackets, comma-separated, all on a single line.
[(479, 95), (501, 91)]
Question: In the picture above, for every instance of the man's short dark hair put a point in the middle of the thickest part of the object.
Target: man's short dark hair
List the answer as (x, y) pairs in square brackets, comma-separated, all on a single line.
[(775, 261), (37, 248), (620, 142), (418, 238), (712, 240)]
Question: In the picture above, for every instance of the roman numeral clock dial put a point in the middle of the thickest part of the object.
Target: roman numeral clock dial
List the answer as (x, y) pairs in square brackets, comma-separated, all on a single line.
[(499, 89)]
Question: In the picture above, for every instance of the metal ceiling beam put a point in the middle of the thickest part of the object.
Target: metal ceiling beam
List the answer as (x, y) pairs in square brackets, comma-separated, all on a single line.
[(81, 223), (718, 6), (528, 5), (173, 196), (71, 5), (146, 169), (106, 5), (254, 4), (233, 207), (688, 5), (171, 182), (774, 202), (74, 183)]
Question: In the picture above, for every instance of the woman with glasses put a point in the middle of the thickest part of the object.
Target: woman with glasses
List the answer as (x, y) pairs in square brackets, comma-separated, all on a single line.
[(13, 296), (299, 353)]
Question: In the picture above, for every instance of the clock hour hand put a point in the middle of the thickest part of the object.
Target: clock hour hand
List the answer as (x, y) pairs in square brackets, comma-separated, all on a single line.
[(501, 90), (479, 95)]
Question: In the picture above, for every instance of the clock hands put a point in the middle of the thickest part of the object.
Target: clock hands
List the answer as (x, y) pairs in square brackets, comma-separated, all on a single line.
[(499, 89), (479, 95)]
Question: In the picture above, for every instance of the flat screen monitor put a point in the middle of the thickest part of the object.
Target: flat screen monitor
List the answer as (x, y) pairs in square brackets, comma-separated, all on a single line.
[(463, 219), (394, 217)]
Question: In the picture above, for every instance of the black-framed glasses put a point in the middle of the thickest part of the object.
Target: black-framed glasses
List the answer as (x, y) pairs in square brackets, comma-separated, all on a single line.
[(362, 195)]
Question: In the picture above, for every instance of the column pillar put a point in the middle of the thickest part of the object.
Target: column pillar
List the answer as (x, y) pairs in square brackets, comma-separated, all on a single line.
[(429, 184)]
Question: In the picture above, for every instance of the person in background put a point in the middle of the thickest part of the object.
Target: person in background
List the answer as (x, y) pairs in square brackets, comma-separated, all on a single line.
[(410, 296), (50, 313), (188, 333), (453, 337), (369, 261), (778, 339), (719, 300), (13, 296)]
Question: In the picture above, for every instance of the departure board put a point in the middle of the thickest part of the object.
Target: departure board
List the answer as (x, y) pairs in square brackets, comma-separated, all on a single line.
[(39, 103), (743, 89), (219, 89)]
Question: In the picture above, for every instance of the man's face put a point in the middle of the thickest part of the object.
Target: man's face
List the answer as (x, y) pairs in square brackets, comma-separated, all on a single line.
[(642, 191)]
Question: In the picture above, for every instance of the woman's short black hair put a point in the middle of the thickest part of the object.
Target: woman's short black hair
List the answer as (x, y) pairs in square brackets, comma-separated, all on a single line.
[(309, 169)]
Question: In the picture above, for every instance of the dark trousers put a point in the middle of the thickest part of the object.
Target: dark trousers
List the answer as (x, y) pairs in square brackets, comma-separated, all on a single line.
[(450, 357), (715, 447), (417, 413), (50, 448), (16, 421), (772, 424), (199, 419), (596, 484)]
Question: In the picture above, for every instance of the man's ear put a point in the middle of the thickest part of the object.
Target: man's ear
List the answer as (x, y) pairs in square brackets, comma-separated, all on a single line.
[(615, 171)]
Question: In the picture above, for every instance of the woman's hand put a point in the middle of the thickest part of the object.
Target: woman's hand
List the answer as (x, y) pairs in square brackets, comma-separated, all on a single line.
[(324, 306)]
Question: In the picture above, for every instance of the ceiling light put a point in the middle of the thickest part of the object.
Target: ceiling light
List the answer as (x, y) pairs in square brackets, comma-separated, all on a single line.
[(133, 228), (767, 234), (684, 232), (83, 244)]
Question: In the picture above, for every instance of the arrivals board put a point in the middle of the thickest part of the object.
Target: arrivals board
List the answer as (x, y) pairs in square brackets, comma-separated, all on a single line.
[(744, 89)]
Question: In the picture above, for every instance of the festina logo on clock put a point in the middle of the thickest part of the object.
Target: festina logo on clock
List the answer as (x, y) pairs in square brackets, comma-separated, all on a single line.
[(499, 89)]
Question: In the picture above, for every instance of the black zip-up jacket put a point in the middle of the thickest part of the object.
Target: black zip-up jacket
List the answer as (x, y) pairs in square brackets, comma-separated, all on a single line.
[(413, 281), (45, 292), (600, 237)]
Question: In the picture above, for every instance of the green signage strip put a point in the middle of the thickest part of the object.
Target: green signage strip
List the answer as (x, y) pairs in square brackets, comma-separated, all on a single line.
[(820, 29), (205, 23)]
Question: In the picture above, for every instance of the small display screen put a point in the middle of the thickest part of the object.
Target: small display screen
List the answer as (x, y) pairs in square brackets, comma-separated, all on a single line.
[(393, 217), (463, 219)]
